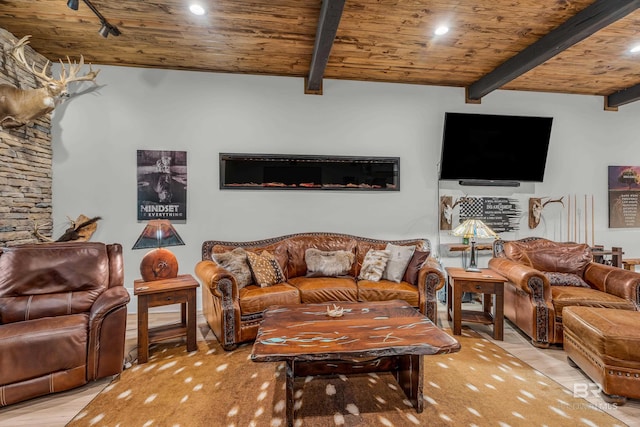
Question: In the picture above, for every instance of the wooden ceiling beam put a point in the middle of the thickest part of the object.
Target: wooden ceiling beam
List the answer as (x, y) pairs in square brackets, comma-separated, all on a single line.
[(330, 15), (580, 26), (624, 96)]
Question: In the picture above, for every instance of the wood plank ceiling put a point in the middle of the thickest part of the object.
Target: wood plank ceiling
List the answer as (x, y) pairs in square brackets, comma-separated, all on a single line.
[(560, 46)]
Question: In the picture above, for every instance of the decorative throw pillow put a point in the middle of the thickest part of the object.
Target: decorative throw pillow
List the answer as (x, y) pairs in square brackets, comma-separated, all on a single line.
[(328, 263), (236, 262), (374, 264), (398, 261), (418, 258), (265, 268), (565, 279)]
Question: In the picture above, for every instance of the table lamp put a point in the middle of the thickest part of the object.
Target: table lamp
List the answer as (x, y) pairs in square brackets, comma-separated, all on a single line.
[(159, 263), (472, 229)]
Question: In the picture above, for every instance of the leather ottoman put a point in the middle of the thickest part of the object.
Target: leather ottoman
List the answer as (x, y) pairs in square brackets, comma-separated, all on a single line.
[(605, 344)]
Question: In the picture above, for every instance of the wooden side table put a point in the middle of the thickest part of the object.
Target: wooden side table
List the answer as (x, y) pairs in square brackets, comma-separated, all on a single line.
[(490, 284), (630, 263), (179, 290)]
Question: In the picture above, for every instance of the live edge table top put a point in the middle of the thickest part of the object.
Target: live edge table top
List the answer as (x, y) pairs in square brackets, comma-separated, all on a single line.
[(305, 332)]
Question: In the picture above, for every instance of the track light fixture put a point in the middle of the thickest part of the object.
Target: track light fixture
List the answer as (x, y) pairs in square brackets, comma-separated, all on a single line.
[(106, 28)]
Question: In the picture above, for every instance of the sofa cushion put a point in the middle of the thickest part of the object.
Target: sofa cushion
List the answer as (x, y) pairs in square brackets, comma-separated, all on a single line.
[(373, 265), (278, 250), (298, 245), (328, 263), (565, 279), (65, 280), (417, 259), (325, 289), (385, 290), (265, 269), (60, 344), (547, 255), (236, 262), (399, 257), (565, 296), (254, 299)]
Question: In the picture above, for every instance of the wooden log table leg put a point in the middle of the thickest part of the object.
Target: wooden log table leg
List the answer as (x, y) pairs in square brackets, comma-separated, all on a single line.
[(289, 392), (409, 377)]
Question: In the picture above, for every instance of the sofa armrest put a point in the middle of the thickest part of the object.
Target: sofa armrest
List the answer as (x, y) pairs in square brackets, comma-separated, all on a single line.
[(615, 281), (211, 275), (526, 278), (110, 299), (431, 277), (107, 333)]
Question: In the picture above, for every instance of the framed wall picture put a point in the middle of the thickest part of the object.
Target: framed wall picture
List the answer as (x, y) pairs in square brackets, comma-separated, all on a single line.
[(162, 185), (624, 196), (501, 214)]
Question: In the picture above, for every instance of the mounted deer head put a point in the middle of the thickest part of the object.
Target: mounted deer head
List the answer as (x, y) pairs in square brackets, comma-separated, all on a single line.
[(19, 107), (536, 205)]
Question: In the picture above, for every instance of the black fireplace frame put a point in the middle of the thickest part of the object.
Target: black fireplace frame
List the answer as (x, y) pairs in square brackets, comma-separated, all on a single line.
[(262, 172)]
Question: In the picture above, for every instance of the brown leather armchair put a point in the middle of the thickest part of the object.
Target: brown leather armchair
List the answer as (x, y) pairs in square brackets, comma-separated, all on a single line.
[(63, 313), (546, 276)]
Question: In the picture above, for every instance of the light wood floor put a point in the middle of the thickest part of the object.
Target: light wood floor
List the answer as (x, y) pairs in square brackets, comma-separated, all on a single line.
[(57, 410)]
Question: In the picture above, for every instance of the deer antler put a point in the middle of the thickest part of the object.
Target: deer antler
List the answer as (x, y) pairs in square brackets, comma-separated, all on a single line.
[(74, 68), (73, 71), (40, 236), (18, 53), (554, 201)]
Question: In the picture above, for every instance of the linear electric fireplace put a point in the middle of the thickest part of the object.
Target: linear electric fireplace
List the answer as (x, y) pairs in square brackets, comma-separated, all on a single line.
[(283, 171)]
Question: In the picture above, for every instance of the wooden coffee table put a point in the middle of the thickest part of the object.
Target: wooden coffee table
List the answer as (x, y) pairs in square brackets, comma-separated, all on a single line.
[(388, 336)]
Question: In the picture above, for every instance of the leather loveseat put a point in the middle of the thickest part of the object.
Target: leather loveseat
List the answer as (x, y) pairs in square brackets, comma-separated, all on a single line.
[(63, 313), (546, 276), (233, 297)]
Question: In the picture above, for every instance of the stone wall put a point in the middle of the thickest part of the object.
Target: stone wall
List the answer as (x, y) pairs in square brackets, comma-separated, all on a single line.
[(25, 160)]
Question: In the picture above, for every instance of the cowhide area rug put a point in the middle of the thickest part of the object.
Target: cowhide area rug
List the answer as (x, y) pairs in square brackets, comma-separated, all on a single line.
[(482, 385)]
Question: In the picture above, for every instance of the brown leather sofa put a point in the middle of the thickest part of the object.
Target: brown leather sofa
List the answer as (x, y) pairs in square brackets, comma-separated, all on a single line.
[(63, 313), (234, 312), (546, 276)]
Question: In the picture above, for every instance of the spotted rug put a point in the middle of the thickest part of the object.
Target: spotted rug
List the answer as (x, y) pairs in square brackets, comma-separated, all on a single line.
[(482, 385)]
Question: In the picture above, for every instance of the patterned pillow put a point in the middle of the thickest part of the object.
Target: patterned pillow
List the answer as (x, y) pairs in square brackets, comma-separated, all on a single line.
[(328, 263), (265, 268), (374, 264), (418, 258), (565, 279), (398, 261), (236, 262)]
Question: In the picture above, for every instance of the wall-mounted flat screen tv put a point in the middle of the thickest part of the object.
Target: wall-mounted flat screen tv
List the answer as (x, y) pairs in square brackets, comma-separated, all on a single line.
[(486, 149)]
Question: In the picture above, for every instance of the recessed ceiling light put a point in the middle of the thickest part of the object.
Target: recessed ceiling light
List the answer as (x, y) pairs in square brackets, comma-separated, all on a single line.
[(635, 49), (196, 9), (441, 30)]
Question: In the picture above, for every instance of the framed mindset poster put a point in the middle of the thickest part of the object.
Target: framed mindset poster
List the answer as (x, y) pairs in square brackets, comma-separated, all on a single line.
[(162, 185), (624, 196)]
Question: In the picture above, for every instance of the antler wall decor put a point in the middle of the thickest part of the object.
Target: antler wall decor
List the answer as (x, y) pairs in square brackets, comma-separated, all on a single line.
[(79, 230), (446, 211), (19, 107), (536, 205)]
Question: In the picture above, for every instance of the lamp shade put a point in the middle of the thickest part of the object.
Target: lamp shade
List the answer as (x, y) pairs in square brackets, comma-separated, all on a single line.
[(159, 263), (474, 228), (158, 233)]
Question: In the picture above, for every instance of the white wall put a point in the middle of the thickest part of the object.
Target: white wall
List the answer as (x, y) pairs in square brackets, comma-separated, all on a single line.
[(96, 136)]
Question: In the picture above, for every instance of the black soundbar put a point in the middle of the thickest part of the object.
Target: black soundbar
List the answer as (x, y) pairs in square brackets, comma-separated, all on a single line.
[(489, 183)]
